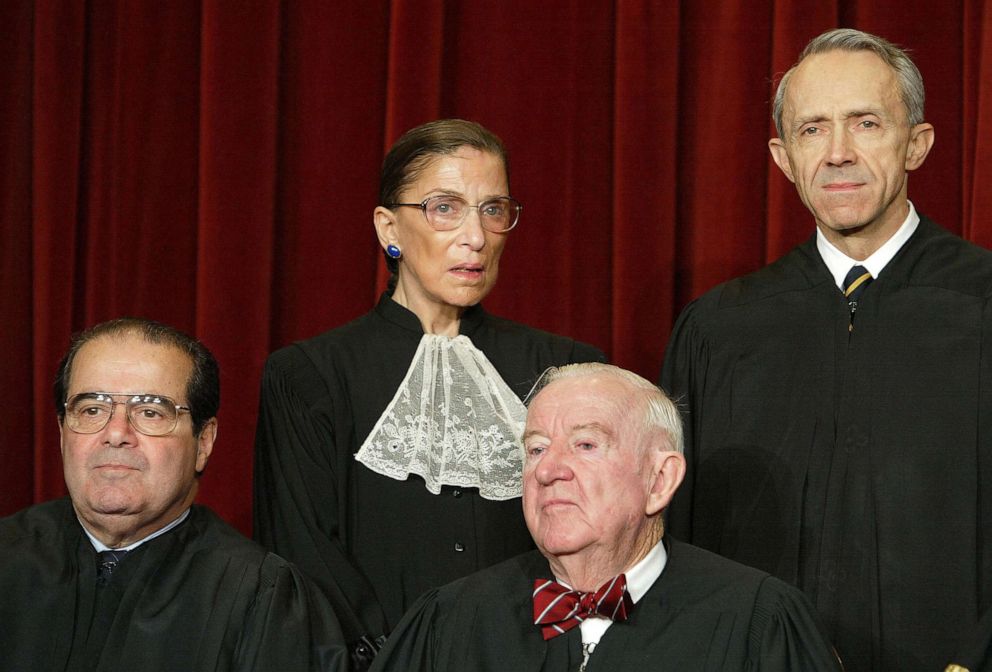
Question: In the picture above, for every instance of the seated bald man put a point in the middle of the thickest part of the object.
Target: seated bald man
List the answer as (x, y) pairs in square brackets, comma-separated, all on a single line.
[(606, 590), (127, 573)]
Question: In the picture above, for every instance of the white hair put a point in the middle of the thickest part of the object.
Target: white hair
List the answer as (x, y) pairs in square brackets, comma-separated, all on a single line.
[(656, 409)]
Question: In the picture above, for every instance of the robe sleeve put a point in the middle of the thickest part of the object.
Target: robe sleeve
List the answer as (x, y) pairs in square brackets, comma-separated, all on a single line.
[(297, 502), (411, 646), (975, 652), (682, 376), (786, 634), (290, 626)]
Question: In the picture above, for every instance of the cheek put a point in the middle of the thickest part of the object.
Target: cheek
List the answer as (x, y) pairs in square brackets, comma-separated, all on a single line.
[(73, 456), (496, 243)]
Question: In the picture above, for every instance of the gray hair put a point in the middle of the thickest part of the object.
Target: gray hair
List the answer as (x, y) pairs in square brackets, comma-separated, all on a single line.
[(657, 410), (847, 39)]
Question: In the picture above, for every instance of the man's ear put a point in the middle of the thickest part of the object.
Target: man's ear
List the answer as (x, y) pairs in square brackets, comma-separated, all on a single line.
[(205, 444), (669, 470), (921, 138), (384, 221), (781, 157), (62, 437)]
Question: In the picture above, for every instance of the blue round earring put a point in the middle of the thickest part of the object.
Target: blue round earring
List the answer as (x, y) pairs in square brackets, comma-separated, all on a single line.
[(393, 252)]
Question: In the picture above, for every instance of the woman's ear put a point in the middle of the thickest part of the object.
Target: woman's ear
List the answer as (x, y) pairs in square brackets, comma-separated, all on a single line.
[(386, 230)]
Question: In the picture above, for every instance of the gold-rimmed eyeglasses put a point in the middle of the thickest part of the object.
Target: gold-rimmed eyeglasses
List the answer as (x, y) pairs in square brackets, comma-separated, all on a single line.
[(150, 414)]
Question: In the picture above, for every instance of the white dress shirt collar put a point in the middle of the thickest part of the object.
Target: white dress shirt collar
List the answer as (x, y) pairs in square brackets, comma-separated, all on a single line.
[(839, 263), (100, 546), (640, 578)]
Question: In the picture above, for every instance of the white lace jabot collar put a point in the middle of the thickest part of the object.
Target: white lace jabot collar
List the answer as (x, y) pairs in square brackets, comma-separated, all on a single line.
[(453, 421)]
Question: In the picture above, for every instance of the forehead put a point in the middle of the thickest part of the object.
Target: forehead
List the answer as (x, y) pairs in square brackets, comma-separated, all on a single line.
[(467, 165), (128, 363), (838, 82), (579, 401)]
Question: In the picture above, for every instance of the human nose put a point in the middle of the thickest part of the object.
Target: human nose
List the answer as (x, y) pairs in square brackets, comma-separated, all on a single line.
[(471, 231), (841, 148), (553, 466), (119, 429)]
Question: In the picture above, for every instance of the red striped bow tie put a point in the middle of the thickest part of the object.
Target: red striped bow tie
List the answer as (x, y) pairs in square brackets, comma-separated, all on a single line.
[(558, 609)]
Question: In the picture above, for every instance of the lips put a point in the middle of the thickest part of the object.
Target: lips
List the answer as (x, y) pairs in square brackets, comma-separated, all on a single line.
[(557, 504), (116, 467), (842, 186), (467, 268)]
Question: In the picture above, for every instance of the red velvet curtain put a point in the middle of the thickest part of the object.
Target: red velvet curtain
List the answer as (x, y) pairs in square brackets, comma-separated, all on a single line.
[(214, 165)]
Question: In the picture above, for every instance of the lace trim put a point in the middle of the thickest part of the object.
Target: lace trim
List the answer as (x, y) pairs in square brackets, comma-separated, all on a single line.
[(453, 421)]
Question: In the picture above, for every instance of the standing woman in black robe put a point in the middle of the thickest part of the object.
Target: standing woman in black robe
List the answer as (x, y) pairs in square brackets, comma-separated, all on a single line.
[(387, 456)]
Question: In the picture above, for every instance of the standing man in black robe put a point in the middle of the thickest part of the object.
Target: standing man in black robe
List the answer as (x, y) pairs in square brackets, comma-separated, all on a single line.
[(127, 573), (838, 403), (604, 591)]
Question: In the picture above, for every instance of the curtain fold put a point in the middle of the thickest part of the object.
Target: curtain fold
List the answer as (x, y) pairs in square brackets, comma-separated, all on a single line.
[(214, 165)]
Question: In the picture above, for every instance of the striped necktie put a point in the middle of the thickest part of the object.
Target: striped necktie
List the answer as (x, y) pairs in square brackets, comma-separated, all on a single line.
[(106, 563), (558, 609), (857, 280)]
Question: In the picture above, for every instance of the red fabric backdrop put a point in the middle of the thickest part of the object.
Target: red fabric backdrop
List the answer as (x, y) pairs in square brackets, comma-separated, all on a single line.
[(214, 165)]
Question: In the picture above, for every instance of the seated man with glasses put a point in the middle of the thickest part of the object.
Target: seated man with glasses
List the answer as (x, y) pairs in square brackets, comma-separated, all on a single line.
[(127, 573)]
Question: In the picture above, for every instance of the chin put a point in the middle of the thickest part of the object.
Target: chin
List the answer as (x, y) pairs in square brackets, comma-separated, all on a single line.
[(562, 542), (845, 222), (466, 297), (111, 501)]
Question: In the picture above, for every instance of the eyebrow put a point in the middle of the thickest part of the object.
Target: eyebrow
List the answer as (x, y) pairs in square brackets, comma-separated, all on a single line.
[(450, 192), (532, 432), (851, 114), (597, 427)]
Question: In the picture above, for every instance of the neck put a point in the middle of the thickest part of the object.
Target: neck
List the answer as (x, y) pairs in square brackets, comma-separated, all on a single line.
[(862, 242), (439, 319), (120, 530), (590, 568)]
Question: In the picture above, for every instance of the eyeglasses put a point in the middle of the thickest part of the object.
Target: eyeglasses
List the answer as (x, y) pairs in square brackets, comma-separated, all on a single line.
[(446, 213), (150, 414)]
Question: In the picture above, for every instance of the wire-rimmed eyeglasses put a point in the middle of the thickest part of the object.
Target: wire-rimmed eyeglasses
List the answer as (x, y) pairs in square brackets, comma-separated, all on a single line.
[(150, 414), (446, 213)]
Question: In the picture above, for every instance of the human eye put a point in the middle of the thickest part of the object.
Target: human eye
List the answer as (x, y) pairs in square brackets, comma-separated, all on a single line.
[(809, 131), (90, 405), (93, 409), (534, 448), (867, 124), (151, 409), (445, 205), (586, 445), (149, 412), (496, 209)]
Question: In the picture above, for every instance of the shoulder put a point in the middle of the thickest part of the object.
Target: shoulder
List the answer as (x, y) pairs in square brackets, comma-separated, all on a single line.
[(210, 536), (309, 370), (692, 563), (937, 257), (496, 581), (557, 348), (797, 271), (312, 351), (701, 582), (42, 522), (707, 580)]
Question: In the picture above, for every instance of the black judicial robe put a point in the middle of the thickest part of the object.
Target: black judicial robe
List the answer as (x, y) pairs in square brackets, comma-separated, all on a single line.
[(375, 544), (975, 653), (199, 598), (856, 465), (704, 613)]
